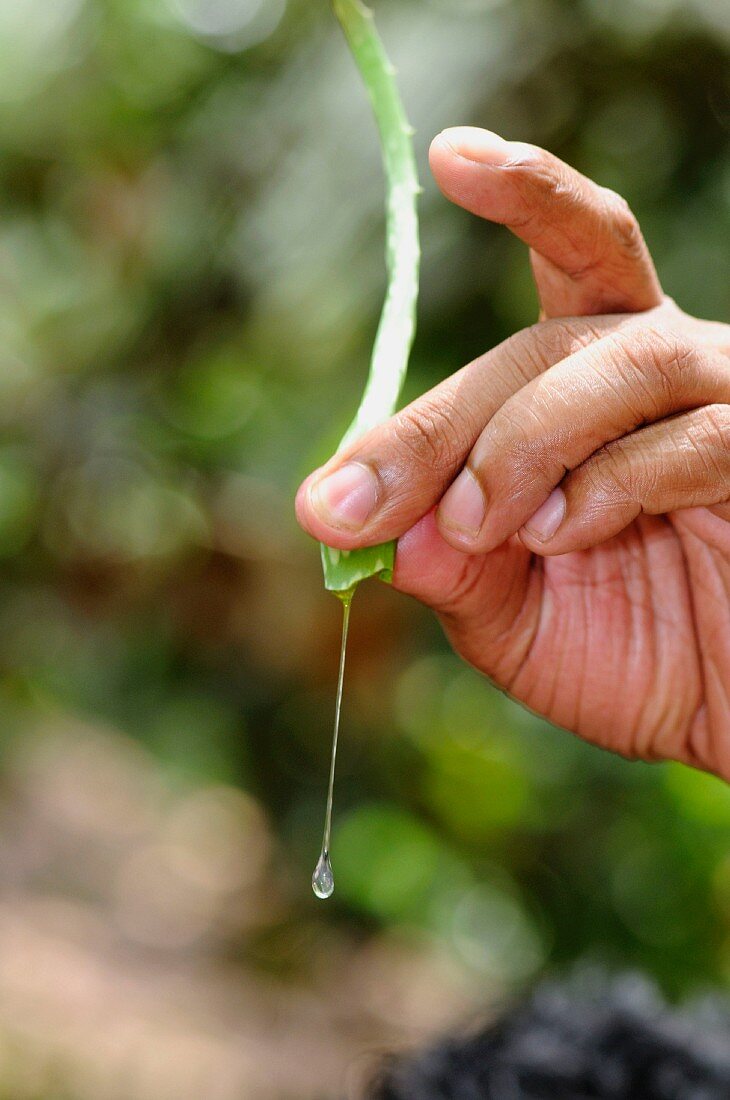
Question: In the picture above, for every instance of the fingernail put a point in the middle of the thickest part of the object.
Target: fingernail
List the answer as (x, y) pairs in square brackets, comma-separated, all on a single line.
[(548, 517), (463, 507), (345, 498), (481, 146)]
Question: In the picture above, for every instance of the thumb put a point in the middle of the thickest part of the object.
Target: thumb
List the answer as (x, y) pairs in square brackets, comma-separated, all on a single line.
[(587, 250)]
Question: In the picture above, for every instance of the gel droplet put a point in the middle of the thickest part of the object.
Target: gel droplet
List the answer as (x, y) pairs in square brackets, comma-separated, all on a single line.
[(323, 881)]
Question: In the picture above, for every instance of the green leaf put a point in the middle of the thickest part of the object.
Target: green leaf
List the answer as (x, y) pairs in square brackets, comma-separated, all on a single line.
[(394, 338)]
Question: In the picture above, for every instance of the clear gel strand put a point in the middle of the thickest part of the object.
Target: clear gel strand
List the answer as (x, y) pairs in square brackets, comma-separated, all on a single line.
[(323, 882)]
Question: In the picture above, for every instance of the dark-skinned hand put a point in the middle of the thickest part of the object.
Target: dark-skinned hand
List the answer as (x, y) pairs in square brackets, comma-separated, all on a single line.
[(563, 502)]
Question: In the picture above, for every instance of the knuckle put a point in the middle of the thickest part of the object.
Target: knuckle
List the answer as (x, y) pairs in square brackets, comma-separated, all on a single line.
[(559, 338), (539, 179), (610, 475), (519, 447), (547, 179), (670, 348), (522, 356), (429, 434), (622, 223), (675, 360), (547, 342), (666, 363), (717, 422), (707, 439), (511, 438)]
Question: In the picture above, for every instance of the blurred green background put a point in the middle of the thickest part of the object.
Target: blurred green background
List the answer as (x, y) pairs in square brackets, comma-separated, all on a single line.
[(191, 270)]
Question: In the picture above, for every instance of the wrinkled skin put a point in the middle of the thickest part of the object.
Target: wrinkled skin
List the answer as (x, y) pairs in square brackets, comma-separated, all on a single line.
[(562, 503)]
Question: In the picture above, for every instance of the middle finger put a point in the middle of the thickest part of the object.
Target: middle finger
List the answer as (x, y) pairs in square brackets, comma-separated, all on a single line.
[(554, 423)]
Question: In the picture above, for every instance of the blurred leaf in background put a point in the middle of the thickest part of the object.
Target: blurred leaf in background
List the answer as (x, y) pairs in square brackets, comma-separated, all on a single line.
[(191, 256)]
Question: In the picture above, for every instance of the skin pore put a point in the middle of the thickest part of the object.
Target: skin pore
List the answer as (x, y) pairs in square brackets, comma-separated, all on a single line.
[(562, 503)]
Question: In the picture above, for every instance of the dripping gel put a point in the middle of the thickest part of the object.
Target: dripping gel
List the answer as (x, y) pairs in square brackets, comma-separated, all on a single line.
[(323, 882)]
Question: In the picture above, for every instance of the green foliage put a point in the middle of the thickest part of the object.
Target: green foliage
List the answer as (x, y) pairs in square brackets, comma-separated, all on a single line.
[(391, 862)]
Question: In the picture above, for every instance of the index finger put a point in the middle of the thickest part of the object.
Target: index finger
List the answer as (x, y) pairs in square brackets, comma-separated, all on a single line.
[(380, 485)]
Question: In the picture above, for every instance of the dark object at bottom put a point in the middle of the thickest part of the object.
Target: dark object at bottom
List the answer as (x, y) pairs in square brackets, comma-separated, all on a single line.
[(580, 1041)]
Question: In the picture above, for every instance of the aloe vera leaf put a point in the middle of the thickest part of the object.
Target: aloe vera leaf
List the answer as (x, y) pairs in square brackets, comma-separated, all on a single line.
[(344, 569)]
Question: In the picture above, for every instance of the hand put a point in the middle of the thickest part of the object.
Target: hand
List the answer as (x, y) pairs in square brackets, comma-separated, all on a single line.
[(563, 502)]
